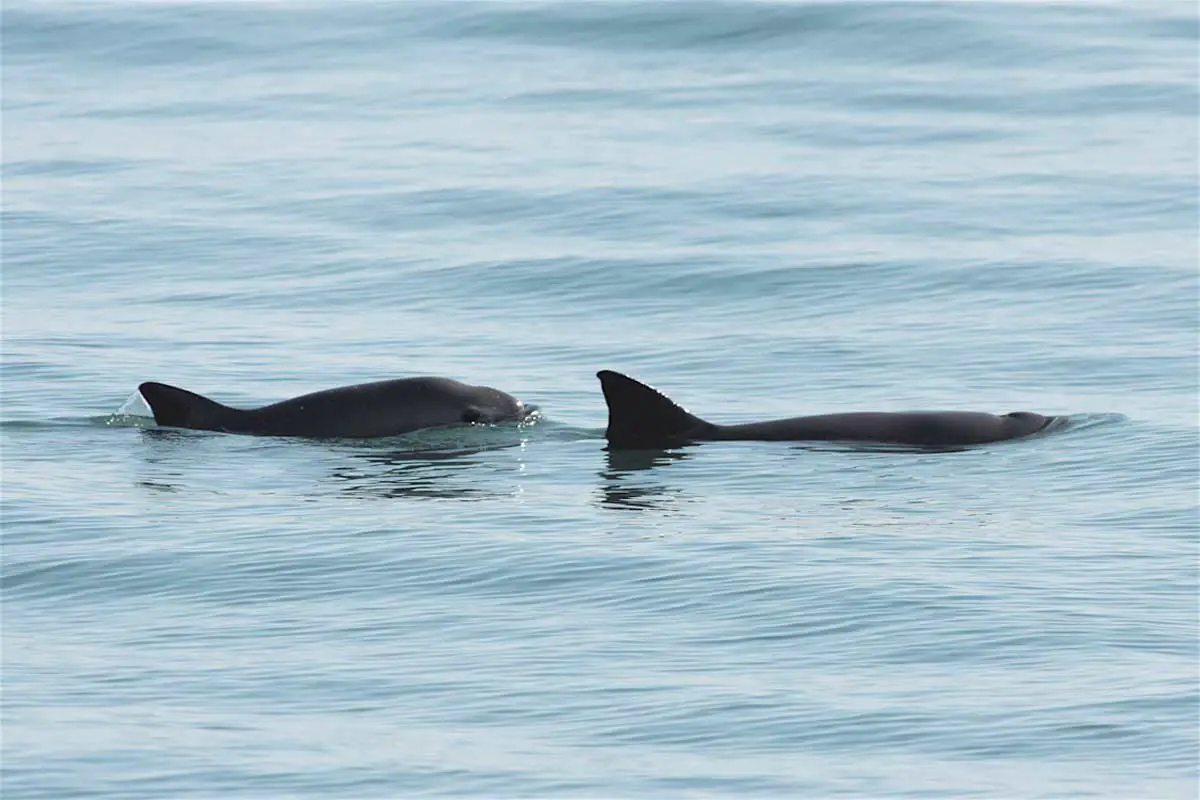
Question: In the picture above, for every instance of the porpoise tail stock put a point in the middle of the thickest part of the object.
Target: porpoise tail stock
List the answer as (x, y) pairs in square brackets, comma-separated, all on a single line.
[(642, 418), (385, 408)]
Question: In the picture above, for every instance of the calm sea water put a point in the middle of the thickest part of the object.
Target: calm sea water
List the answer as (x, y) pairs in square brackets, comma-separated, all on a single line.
[(764, 209)]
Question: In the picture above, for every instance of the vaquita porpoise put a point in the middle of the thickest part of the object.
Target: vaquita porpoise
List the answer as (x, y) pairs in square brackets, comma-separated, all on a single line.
[(641, 417), (385, 408)]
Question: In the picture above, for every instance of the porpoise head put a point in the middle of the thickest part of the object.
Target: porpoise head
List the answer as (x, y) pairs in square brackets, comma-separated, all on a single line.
[(1023, 423), (489, 406)]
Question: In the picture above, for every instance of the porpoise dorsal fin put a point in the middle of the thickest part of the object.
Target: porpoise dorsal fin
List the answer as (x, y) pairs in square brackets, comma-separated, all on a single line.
[(179, 408), (640, 416)]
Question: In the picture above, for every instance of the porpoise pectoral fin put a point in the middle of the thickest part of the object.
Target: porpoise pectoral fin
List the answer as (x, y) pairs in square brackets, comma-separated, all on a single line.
[(179, 408), (640, 416)]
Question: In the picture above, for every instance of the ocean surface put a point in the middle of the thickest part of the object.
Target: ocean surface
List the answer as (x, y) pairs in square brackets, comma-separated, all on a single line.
[(762, 209)]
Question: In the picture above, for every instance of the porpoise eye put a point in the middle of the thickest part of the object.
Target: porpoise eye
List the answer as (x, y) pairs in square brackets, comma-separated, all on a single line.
[(472, 415)]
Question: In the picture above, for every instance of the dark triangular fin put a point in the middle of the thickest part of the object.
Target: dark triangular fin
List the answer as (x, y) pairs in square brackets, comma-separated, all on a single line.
[(640, 417), (180, 408)]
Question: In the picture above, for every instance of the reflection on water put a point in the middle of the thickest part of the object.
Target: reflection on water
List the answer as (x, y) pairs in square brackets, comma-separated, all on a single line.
[(161, 457), (446, 464), (423, 474), (627, 482)]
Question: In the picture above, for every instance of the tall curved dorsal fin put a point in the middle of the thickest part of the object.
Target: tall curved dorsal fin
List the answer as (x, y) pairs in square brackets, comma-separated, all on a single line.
[(640, 416), (179, 408)]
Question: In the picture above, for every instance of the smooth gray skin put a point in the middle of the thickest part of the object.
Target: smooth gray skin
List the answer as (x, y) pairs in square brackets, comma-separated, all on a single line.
[(640, 417), (386, 408)]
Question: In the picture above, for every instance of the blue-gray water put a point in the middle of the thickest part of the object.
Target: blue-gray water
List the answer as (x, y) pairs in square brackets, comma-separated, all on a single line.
[(764, 210)]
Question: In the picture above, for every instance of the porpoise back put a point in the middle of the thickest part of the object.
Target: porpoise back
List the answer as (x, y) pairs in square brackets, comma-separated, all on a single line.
[(641, 417)]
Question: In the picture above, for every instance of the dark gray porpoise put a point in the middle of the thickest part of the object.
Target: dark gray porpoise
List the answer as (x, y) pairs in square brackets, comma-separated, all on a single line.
[(640, 417), (386, 408)]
